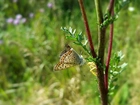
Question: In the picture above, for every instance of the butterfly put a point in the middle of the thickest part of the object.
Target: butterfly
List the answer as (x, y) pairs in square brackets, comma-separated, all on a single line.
[(68, 58)]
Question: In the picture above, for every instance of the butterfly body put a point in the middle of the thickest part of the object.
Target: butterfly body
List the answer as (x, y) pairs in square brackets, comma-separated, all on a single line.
[(68, 58)]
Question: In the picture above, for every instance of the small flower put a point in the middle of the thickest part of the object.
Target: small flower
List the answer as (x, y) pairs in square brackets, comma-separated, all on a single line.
[(18, 16), (41, 10), (49, 5), (31, 15), (15, 1), (16, 21), (23, 20), (131, 9), (9, 20)]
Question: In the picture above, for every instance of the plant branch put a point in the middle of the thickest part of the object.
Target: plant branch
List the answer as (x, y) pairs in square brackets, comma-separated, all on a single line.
[(87, 28), (101, 48), (109, 56), (111, 11), (101, 31), (111, 6)]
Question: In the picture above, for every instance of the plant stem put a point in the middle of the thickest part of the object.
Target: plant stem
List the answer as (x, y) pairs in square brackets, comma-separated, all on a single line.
[(111, 6), (101, 43), (87, 28), (109, 56), (111, 11)]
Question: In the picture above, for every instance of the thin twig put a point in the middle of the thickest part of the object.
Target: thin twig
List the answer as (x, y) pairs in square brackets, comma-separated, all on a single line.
[(111, 6), (87, 29), (109, 56), (111, 11)]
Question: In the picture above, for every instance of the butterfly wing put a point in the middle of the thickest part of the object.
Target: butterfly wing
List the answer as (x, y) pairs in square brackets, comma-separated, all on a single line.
[(68, 58), (71, 57), (61, 66), (67, 48)]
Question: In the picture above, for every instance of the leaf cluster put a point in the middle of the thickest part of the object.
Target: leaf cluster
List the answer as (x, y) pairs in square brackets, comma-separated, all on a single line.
[(77, 38), (108, 19), (115, 69)]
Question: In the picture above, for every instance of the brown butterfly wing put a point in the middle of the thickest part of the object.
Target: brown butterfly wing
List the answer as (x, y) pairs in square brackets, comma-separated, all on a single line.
[(61, 66), (71, 57), (67, 48), (68, 58)]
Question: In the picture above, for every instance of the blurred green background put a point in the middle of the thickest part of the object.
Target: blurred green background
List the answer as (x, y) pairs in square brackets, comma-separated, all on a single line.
[(31, 41)]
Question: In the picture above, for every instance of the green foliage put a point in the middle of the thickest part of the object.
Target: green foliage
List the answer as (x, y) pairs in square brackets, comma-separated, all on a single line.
[(115, 70), (108, 19), (120, 4), (79, 39)]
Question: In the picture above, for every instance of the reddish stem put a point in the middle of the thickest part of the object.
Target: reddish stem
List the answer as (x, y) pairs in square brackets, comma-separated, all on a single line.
[(109, 56), (87, 29), (111, 11), (111, 5)]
